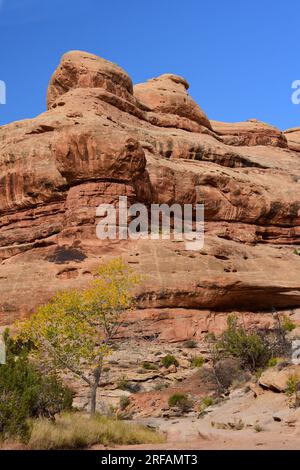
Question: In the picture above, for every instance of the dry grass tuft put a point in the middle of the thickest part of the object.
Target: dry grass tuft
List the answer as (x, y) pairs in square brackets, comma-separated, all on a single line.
[(78, 431)]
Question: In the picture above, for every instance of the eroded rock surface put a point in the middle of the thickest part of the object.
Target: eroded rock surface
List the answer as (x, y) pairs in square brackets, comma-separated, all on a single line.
[(102, 138)]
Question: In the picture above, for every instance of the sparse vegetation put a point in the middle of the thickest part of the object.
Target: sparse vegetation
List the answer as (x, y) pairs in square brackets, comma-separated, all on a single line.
[(169, 360), (210, 337), (124, 402), (288, 324), (292, 389), (248, 347), (272, 362), (238, 352), (237, 425), (77, 431), (159, 386), (229, 371), (149, 366), (205, 403), (197, 361), (124, 384), (181, 401), (258, 428)]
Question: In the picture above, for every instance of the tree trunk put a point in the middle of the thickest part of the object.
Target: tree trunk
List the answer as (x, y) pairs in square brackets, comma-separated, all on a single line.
[(94, 387)]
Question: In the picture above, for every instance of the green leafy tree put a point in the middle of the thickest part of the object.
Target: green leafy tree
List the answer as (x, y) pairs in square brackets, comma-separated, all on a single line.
[(75, 331), (26, 392)]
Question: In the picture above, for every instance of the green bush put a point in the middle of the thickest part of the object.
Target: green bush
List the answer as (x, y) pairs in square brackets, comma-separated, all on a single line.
[(249, 347), (292, 384), (123, 383), (26, 392), (181, 401), (169, 360), (292, 389), (272, 362), (149, 366), (197, 361), (124, 402), (288, 324), (205, 403)]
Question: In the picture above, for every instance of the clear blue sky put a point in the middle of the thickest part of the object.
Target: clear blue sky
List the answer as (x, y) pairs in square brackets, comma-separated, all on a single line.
[(240, 57)]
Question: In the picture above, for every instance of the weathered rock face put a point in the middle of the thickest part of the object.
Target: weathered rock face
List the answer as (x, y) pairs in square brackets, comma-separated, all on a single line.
[(293, 138), (102, 138), (84, 70), (252, 132), (171, 105)]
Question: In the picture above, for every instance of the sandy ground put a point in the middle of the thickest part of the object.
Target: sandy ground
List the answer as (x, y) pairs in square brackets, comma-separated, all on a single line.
[(243, 422), (268, 424)]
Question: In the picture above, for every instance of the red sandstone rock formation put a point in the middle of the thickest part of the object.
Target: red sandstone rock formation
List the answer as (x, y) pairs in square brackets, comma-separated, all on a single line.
[(101, 138)]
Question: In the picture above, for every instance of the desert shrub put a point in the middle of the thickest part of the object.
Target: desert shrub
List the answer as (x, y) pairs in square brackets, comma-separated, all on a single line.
[(205, 403), (287, 324), (210, 337), (169, 360), (78, 431), (26, 392), (292, 388), (159, 386), (124, 384), (197, 361), (272, 362), (229, 370), (237, 425), (149, 366), (124, 402), (249, 347), (180, 400), (190, 344), (13, 416), (258, 428), (292, 384)]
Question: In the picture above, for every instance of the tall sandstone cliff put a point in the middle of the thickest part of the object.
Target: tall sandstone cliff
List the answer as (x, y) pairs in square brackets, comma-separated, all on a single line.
[(101, 138)]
